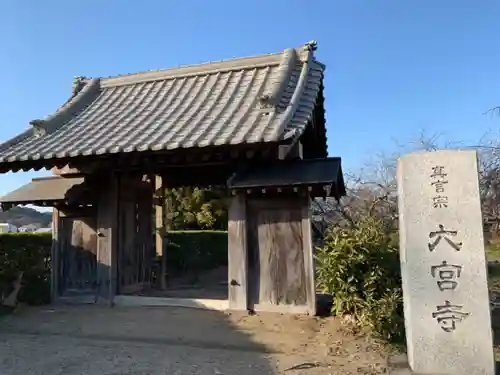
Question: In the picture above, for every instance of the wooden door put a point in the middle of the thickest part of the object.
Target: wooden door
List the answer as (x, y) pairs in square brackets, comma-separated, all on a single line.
[(276, 256), (77, 257), (135, 232)]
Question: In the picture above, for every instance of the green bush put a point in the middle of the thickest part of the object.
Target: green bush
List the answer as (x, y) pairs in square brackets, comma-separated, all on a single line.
[(195, 250), (360, 268), (28, 253)]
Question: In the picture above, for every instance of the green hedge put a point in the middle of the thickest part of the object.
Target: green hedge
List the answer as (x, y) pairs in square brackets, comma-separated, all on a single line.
[(188, 251), (29, 253), (195, 250)]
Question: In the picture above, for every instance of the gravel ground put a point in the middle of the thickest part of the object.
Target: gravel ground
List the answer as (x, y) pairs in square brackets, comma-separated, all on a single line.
[(102, 341), (44, 354)]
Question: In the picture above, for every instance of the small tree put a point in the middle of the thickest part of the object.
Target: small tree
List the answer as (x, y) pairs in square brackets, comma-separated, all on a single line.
[(195, 208), (359, 262), (359, 266)]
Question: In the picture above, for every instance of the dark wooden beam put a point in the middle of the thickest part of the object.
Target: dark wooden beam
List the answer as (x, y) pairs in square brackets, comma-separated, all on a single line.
[(313, 191), (148, 161), (107, 238), (55, 256)]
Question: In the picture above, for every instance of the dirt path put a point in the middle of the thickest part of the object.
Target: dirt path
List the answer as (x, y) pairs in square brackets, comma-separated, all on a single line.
[(101, 341)]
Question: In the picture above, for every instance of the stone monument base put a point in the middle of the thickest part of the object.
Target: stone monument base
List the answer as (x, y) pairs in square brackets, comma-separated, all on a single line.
[(397, 364)]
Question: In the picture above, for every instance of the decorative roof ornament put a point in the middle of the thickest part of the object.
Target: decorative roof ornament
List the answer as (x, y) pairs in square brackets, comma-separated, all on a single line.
[(84, 91), (38, 127), (78, 84), (311, 46)]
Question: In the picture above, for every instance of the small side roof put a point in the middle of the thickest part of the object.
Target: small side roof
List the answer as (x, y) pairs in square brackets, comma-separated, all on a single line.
[(294, 173), (260, 99), (42, 190)]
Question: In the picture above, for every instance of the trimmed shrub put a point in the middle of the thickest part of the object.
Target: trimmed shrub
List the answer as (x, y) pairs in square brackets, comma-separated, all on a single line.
[(195, 251), (28, 253), (359, 267)]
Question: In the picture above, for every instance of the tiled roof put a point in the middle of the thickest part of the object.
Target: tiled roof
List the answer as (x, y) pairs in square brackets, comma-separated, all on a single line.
[(42, 190), (264, 98)]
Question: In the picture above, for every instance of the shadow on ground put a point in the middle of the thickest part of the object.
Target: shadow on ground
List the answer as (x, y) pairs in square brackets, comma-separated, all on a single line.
[(100, 340)]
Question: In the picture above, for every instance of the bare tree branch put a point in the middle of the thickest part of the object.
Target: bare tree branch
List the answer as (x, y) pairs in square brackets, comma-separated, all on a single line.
[(372, 190), (492, 111)]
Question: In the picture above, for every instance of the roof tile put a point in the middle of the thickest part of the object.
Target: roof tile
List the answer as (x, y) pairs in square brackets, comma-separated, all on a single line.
[(256, 99)]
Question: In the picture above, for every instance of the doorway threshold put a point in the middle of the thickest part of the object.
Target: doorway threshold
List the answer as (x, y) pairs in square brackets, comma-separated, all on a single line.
[(207, 304)]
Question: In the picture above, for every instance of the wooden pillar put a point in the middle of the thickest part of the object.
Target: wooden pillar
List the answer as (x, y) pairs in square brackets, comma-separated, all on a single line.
[(107, 239), (309, 268), (145, 229), (55, 257), (237, 254), (160, 229), (167, 227)]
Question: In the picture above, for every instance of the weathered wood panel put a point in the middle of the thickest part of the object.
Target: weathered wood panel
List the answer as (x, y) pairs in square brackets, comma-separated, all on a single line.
[(135, 232), (77, 260), (237, 254), (280, 268), (281, 259), (127, 254), (253, 255), (309, 264), (107, 228), (144, 233)]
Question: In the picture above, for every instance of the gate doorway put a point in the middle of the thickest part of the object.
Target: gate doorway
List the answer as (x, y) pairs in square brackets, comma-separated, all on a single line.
[(77, 259), (135, 255)]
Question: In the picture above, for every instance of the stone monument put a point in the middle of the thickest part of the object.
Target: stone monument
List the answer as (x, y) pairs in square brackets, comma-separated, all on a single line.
[(443, 265)]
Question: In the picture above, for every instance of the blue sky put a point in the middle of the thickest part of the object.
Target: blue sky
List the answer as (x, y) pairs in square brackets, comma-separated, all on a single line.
[(394, 68)]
